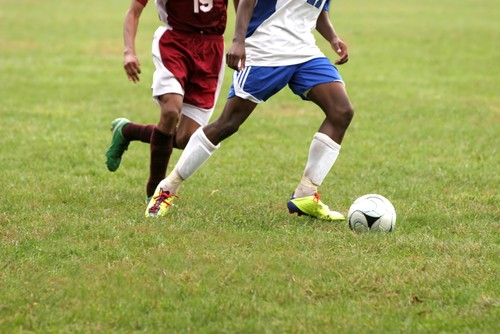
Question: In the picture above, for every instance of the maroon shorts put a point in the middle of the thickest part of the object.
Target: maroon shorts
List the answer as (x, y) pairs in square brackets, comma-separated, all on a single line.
[(196, 61)]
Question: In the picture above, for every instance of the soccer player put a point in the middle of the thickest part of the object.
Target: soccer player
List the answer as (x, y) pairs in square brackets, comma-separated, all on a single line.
[(273, 46), (188, 53)]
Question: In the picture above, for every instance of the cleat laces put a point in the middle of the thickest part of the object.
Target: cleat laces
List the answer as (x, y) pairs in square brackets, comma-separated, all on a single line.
[(316, 197), (159, 199)]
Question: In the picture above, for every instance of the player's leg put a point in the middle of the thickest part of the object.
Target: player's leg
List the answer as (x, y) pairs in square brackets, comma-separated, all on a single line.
[(259, 84), (328, 92), (205, 141), (198, 150), (191, 119), (170, 79), (199, 69), (249, 88), (162, 139), (187, 126), (305, 199), (333, 100), (234, 114), (138, 132), (122, 133)]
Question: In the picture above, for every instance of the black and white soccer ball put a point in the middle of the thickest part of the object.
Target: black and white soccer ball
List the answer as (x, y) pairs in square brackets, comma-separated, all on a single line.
[(372, 213)]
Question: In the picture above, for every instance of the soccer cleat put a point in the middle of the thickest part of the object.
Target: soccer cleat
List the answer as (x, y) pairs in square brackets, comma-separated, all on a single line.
[(160, 203), (118, 144), (313, 207)]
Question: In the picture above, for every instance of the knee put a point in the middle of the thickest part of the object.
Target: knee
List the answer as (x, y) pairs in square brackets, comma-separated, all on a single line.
[(169, 115), (168, 120), (344, 114), (348, 113)]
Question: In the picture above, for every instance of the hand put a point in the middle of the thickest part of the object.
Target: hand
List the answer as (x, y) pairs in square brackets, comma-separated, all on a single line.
[(235, 57), (341, 49), (132, 67)]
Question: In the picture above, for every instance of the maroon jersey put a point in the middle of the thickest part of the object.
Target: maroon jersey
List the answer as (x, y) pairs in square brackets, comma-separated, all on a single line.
[(193, 16)]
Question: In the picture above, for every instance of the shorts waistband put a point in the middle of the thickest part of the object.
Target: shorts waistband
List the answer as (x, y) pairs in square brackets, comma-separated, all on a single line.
[(200, 34)]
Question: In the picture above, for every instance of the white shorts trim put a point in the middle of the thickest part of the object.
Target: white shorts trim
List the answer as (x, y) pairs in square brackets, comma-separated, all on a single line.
[(164, 82)]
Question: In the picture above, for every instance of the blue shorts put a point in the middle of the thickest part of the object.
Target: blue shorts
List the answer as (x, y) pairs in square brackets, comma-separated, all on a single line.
[(259, 83)]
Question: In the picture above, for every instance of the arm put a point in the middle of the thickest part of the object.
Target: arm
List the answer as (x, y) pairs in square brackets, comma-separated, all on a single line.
[(235, 57), (325, 28), (130, 62)]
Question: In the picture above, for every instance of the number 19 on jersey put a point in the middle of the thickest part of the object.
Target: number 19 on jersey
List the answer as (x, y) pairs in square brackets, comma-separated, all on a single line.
[(203, 5)]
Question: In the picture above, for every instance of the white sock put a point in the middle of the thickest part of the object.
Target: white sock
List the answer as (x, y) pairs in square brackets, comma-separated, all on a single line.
[(322, 155), (197, 151), (172, 182)]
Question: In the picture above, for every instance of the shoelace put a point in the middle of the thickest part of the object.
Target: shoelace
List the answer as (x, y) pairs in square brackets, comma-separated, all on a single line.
[(163, 196), (316, 197)]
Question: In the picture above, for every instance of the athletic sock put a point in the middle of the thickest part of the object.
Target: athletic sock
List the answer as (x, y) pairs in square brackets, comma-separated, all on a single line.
[(134, 131), (323, 153), (160, 152), (197, 151)]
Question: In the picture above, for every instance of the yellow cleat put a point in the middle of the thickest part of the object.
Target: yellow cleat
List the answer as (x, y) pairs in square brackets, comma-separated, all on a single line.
[(313, 207), (160, 203)]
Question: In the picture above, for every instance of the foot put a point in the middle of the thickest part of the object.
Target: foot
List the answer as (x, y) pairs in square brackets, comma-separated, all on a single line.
[(160, 203), (118, 144), (313, 207)]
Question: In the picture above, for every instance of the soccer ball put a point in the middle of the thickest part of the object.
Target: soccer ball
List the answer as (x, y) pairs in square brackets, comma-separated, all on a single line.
[(373, 213)]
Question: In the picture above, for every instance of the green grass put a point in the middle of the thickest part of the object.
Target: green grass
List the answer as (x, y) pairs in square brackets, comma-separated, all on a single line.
[(76, 254)]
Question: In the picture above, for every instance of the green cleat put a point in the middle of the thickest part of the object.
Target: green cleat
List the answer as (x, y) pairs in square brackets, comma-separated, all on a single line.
[(118, 144), (313, 207), (160, 203)]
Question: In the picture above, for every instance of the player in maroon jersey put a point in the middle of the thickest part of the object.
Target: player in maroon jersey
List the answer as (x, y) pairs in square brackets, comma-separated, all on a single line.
[(188, 53)]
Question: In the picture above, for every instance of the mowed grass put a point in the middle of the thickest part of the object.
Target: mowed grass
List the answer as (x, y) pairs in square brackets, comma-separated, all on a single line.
[(77, 255)]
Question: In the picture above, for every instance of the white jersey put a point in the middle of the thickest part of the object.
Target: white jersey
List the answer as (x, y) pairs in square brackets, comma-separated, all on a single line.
[(280, 32)]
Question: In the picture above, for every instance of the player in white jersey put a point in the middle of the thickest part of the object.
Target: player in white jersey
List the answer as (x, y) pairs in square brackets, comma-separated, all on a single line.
[(273, 46), (279, 33)]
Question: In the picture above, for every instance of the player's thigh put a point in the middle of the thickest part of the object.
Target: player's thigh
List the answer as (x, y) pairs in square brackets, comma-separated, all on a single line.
[(259, 83), (313, 73), (331, 97)]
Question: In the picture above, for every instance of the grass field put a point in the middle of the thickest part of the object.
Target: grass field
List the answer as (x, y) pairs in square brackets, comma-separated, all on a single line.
[(76, 254)]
